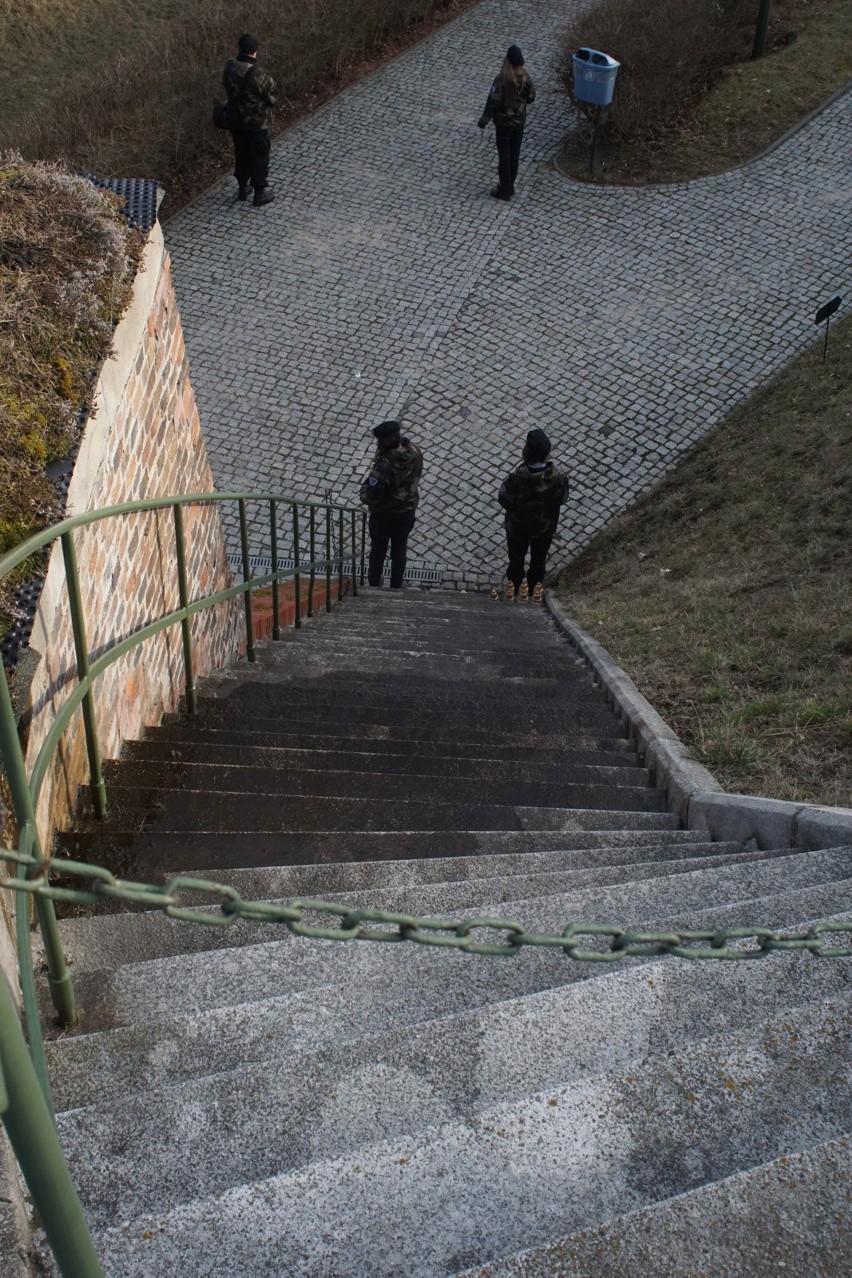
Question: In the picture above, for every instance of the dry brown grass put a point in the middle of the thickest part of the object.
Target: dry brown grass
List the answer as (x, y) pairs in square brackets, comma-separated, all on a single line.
[(130, 93), (727, 109), (67, 262), (726, 592)]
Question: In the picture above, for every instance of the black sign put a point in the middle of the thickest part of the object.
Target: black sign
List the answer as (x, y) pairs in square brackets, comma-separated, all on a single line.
[(825, 312)]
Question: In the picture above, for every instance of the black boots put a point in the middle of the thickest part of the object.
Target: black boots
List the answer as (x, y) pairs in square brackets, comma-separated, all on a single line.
[(263, 195)]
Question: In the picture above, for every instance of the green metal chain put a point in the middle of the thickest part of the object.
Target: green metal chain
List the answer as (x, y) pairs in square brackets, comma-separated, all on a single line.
[(463, 934)]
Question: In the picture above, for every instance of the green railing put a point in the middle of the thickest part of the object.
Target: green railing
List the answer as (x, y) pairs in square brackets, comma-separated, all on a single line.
[(25, 1102), (25, 1098)]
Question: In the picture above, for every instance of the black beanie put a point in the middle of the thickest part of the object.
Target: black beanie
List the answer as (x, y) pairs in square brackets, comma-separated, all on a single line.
[(248, 44), (516, 58), (386, 431), (538, 446)]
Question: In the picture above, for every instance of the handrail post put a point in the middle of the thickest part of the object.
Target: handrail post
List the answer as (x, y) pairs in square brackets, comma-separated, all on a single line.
[(183, 593), (354, 564), (250, 652), (313, 544), (81, 649), (34, 1140), (59, 980), (297, 568), (273, 550), (328, 558), (363, 542), (341, 542)]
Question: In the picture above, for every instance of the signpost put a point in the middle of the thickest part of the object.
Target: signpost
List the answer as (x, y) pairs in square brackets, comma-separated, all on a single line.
[(825, 313)]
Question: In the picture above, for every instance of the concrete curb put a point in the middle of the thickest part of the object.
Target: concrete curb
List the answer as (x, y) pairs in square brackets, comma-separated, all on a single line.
[(693, 794)]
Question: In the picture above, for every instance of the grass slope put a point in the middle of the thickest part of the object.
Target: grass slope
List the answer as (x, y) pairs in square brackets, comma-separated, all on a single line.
[(726, 592)]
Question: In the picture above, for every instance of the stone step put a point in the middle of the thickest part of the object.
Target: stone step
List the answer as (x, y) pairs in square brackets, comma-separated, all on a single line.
[(786, 1216), (188, 982), (425, 666), (143, 855), (238, 811), (241, 777), (116, 1059), (107, 940), (411, 760), (550, 698), (354, 1093), (517, 1173), (390, 738)]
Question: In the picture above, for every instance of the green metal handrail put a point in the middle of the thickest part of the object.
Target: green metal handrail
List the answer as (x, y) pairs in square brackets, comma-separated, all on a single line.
[(25, 1097)]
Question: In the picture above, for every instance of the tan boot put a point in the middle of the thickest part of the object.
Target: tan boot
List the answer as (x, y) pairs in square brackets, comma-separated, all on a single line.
[(524, 592), (538, 592), (509, 591), (495, 593)]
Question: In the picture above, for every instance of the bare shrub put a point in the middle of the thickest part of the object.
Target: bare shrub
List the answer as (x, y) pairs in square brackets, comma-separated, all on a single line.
[(670, 52), (146, 111)]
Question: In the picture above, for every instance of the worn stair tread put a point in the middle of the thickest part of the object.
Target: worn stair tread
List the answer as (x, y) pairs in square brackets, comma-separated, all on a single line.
[(546, 768), (355, 1093), (157, 987), (785, 1216), (152, 855), (109, 1062), (106, 940), (238, 811), (244, 777), (446, 1188)]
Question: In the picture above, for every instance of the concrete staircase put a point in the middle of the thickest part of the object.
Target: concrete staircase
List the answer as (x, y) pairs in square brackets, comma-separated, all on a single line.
[(241, 1101)]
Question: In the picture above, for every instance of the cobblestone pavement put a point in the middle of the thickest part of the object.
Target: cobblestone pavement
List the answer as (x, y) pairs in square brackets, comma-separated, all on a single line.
[(384, 281)]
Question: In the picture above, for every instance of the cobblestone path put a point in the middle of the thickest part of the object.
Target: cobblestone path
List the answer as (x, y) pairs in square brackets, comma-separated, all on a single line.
[(384, 281)]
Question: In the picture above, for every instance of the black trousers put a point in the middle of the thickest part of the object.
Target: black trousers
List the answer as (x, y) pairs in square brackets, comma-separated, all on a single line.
[(393, 530), (251, 157), (508, 155), (518, 544)]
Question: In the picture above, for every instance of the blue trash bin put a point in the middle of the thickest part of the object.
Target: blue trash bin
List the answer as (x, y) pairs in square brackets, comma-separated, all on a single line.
[(594, 76)]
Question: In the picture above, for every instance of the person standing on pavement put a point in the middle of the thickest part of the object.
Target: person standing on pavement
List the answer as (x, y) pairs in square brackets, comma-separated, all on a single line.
[(254, 91), (390, 491), (507, 102), (531, 495)]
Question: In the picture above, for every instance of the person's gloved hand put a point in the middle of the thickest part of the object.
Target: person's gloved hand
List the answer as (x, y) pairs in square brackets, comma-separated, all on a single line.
[(480, 124)]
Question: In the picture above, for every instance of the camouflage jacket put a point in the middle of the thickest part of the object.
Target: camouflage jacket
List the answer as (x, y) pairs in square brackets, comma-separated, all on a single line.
[(391, 488), (260, 95), (514, 116), (531, 496)]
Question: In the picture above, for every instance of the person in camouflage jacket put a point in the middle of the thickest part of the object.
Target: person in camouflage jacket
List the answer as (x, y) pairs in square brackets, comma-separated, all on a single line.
[(391, 492), (255, 93), (532, 496), (507, 102)]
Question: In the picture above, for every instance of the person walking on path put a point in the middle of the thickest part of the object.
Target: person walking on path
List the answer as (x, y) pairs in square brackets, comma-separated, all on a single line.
[(510, 95), (390, 491), (254, 91), (531, 496)]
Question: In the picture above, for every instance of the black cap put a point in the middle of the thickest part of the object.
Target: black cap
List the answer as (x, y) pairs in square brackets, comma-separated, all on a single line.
[(516, 58), (538, 446), (248, 44), (386, 431)]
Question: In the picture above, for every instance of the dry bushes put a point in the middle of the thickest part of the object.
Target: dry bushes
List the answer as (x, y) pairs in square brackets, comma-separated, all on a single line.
[(144, 109), (670, 52), (67, 262)]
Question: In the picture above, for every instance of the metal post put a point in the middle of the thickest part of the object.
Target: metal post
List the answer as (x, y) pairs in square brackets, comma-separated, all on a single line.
[(61, 988), (363, 542), (273, 550), (81, 649), (341, 533), (183, 591), (594, 140), (328, 558), (354, 556), (313, 576), (250, 652), (33, 1138), (759, 46), (297, 568)]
